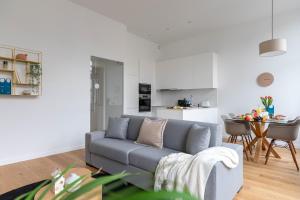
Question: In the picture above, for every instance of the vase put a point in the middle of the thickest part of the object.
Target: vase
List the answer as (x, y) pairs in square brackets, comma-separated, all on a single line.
[(270, 110)]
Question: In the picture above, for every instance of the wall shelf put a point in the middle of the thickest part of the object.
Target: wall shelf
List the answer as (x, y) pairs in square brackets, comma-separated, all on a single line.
[(26, 84), (7, 70), (19, 95), (21, 72), (27, 61), (6, 58)]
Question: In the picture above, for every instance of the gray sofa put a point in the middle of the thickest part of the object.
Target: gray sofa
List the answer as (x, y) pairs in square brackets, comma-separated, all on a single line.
[(114, 155)]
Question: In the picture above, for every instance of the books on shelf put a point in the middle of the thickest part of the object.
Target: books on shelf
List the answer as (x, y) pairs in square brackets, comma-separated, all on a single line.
[(5, 86)]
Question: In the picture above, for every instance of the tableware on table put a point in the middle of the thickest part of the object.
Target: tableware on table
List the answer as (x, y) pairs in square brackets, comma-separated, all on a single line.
[(73, 177), (59, 183)]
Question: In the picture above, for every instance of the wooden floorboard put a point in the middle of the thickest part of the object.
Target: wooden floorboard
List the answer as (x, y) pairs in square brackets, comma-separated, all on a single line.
[(277, 180)]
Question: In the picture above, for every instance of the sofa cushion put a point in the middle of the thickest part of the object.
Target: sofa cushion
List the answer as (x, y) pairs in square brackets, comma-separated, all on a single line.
[(114, 149), (134, 126), (147, 158), (198, 139), (176, 133), (117, 128), (151, 132)]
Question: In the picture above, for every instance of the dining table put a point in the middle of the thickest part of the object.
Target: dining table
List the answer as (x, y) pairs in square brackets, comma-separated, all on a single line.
[(260, 142)]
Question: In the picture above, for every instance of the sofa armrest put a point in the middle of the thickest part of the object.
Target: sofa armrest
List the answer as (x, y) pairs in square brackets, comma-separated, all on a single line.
[(218, 186), (89, 137)]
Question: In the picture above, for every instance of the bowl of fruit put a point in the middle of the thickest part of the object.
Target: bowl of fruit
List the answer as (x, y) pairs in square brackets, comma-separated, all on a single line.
[(257, 115)]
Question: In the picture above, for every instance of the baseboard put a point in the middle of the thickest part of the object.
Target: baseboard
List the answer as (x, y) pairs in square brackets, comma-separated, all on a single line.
[(39, 155)]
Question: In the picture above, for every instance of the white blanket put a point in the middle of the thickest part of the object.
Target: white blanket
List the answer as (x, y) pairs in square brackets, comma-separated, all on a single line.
[(181, 171)]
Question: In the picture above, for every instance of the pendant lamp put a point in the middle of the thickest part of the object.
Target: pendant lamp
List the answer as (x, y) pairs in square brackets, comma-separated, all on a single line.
[(275, 46)]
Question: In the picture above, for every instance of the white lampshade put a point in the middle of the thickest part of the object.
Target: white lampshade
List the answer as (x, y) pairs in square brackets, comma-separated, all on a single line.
[(274, 47)]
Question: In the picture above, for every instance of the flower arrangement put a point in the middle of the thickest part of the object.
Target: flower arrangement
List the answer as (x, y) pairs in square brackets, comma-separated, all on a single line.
[(267, 101)]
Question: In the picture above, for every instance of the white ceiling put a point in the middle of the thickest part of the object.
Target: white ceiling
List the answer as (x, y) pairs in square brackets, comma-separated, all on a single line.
[(164, 21)]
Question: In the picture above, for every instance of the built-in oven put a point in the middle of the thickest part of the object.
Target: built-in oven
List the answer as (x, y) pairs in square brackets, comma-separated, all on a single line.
[(144, 97)]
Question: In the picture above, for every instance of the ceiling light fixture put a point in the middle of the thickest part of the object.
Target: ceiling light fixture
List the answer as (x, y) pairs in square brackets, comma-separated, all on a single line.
[(273, 47)]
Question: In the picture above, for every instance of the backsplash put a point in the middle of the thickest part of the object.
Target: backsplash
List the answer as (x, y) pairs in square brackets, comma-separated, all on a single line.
[(170, 98)]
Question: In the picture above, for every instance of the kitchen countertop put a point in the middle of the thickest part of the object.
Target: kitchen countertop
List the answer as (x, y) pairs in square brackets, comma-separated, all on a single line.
[(186, 108)]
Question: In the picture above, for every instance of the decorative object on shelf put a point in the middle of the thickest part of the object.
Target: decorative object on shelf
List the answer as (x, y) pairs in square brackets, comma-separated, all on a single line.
[(35, 74), (21, 56), (265, 79), (59, 183), (273, 47), (5, 64), (7, 86), (27, 92), (2, 85), (71, 179)]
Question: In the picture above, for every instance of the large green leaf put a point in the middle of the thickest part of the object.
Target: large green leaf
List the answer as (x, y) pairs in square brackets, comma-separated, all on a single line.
[(159, 195), (93, 184), (31, 194)]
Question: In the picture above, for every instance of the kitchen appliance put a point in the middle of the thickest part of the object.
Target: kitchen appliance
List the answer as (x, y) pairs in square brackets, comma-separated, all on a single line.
[(144, 97), (184, 103), (205, 104)]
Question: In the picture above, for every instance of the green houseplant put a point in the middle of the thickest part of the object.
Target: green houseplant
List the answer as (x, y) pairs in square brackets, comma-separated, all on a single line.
[(35, 74)]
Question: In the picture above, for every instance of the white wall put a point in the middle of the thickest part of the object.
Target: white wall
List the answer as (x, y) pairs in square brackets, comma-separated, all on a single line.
[(239, 63), (68, 35)]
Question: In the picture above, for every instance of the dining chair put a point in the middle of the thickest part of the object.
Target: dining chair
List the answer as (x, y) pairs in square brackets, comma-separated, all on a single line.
[(237, 129), (287, 132)]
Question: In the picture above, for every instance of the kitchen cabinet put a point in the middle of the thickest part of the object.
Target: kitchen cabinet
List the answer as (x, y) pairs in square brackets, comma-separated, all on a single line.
[(209, 115), (192, 72), (146, 71)]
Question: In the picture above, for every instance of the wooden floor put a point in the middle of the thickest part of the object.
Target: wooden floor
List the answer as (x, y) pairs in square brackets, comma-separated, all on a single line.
[(277, 180)]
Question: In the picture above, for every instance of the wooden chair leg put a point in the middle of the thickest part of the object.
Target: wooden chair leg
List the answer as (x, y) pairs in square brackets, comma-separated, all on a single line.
[(232, 139), (269, 151), (229, 139), (248, 142), (250, 136), (245, 147), (294, 147), (235, 139), (293, 154)]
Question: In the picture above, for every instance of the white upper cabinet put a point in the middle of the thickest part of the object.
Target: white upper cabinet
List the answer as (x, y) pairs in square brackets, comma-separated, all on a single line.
[(192, 72)]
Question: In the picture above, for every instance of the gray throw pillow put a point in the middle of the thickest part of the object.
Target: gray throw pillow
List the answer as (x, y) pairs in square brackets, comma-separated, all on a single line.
[(117, 128), (198, 139)]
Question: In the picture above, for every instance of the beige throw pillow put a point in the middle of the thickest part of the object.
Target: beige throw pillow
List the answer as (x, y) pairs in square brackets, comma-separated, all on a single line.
[(151, 132)]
